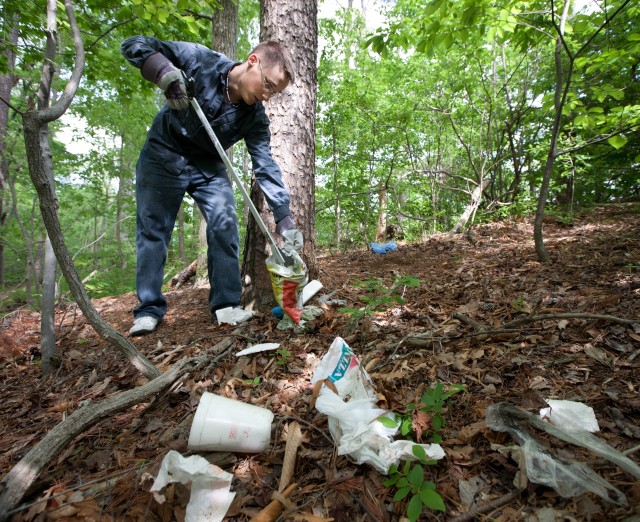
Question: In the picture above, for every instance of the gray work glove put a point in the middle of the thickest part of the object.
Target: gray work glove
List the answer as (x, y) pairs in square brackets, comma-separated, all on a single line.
[(159, 70), (293, 240), (292, 236)]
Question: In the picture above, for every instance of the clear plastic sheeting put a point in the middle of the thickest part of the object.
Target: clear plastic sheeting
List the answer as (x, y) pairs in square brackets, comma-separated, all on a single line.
[(567, 478)]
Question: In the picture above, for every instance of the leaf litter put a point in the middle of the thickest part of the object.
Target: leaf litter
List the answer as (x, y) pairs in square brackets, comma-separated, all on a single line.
[(467, 322)]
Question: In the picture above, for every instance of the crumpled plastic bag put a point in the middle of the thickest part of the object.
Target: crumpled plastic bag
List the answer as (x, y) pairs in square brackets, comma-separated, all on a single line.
[(287, 283), (353, 415), (308, 313), (383, 248), (210, 486)]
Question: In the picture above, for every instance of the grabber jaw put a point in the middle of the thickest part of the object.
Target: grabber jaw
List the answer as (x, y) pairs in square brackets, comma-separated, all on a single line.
[(190, 84)]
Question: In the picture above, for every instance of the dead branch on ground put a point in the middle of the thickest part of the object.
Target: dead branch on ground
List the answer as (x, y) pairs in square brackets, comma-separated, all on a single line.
[(16, 483)]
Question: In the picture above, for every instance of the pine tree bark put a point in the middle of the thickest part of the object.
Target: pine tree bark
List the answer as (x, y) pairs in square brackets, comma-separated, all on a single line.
[(224, 36), (292, 115)]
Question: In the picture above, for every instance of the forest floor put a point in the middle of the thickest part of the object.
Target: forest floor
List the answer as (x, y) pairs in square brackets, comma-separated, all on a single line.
[(484, 279)]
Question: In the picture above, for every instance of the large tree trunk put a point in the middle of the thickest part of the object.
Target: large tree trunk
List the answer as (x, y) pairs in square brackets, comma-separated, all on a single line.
[(224, 36), (33, 121), (292, 115)]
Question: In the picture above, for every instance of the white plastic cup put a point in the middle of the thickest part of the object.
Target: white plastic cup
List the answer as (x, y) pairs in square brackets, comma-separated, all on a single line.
[(222, 424)]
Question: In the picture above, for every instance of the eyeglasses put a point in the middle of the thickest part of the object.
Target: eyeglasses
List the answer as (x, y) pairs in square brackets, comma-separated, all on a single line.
[(271, 89)]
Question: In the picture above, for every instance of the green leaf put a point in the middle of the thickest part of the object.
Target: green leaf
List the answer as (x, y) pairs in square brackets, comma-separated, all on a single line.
[(419, 452), (414, 508), (401, 493), (162, 14), (432, 500), (618, 141), (387, 422), (416, 477)]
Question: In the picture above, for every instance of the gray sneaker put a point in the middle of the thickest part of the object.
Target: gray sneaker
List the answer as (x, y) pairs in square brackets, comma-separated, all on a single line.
[(143, 325)]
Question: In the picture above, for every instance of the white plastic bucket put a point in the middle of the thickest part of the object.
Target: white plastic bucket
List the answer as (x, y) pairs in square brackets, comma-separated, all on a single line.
[(222, 424)]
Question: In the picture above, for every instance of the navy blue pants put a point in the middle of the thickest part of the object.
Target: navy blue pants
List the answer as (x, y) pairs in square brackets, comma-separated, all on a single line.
[(158, 196)]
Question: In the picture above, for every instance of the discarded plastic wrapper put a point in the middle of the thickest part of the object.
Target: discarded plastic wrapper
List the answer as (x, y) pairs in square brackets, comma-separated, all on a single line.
[(287, 283), (571, 416), (210, 486), (308, 291), (383, 248), (257, 348), (231, 315), (568, 478), (353, 414)]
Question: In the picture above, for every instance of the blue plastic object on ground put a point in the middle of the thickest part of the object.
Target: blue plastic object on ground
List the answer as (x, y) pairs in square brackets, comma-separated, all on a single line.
[(278, 312), (383, 248)]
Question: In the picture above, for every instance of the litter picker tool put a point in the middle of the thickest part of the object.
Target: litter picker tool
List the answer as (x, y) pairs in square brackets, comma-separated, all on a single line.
[(277, 254)]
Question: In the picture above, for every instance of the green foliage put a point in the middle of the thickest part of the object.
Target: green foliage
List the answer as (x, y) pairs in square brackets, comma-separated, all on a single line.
[(409, 479), (283, 356), (379, 297), (432, 403), (409, 482)]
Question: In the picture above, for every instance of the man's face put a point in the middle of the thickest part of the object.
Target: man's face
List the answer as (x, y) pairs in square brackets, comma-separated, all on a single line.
[(264, 81)]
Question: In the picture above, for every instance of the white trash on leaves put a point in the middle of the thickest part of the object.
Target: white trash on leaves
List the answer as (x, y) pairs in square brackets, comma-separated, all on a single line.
[(210, 486), (353, 415)]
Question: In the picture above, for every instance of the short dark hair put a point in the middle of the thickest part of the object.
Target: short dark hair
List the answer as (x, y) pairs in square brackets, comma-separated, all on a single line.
[(275, 53)]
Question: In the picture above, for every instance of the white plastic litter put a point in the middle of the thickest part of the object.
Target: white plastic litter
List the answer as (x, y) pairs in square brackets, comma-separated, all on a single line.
[(570, 416), (233, 315), (256, 348), (210, 486), (310, 289), (353, 414)]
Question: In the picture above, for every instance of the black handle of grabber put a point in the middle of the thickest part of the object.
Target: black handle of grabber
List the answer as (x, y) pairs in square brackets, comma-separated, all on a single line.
[(190, 87)]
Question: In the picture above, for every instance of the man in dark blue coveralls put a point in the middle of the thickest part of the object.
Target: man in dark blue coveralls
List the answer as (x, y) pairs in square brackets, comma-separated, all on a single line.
[(179, 157)]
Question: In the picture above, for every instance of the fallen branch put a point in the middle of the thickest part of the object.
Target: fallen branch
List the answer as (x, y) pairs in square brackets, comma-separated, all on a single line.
[(179, 279), (571, 315), (485, 508), (16, 483)]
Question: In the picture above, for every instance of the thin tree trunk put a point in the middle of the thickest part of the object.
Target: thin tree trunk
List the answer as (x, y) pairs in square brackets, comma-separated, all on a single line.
[(476, 198), (383, 197), (120, 214), (559, 98), (47, 303), (7, 81), (33, 121)]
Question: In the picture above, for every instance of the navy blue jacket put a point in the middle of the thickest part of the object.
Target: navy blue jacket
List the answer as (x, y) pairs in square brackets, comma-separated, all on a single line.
[(177, 137)]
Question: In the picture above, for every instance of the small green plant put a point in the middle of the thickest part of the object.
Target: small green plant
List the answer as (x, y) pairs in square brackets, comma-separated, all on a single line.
[(379, 297), (410, 478), (432, 403), (282, 356), (410, 481), (253, 382)]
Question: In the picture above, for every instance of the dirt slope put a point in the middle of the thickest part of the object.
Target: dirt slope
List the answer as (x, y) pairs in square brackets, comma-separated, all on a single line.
[(482, 280)]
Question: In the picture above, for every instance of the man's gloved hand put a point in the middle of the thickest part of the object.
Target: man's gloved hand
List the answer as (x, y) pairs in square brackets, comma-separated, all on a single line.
[(292, 236), (293, 240), (159, 70)]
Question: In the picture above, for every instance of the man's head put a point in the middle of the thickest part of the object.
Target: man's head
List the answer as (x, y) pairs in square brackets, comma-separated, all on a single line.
[(274, 54), (266, 72)]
